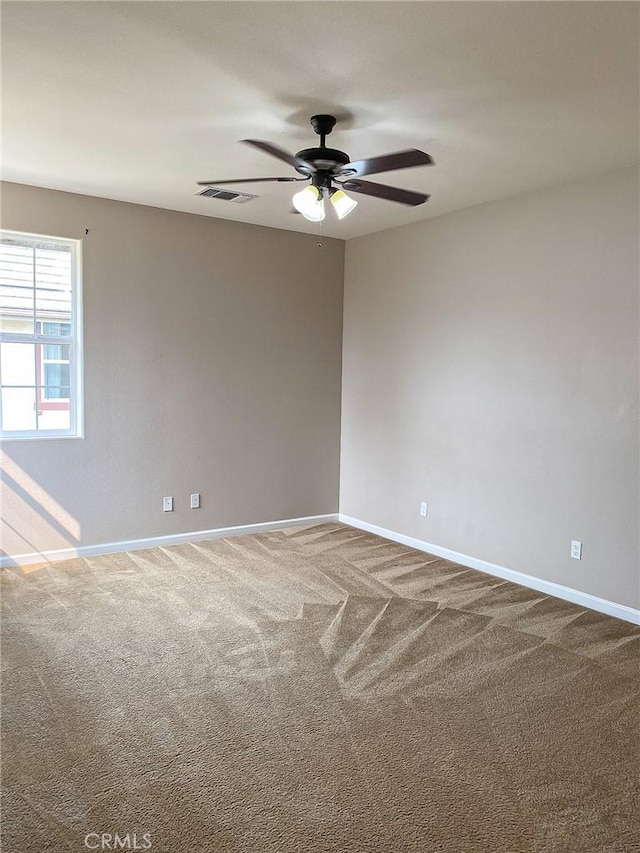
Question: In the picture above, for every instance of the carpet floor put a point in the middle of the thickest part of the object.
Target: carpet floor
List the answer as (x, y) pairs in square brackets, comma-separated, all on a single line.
[(312, 689)]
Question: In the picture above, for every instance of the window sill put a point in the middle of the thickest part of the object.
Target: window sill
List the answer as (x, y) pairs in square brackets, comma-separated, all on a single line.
[(43, 436)]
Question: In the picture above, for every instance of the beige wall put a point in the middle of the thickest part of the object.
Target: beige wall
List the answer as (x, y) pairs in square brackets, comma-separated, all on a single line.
[(212, 365), (490, 367)]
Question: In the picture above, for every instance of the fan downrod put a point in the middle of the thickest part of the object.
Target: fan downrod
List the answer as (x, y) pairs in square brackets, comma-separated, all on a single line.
[(323, 125), (324, 160)]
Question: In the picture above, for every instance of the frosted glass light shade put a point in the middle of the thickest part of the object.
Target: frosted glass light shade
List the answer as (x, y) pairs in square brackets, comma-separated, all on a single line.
[(342, 203), (309, 203)]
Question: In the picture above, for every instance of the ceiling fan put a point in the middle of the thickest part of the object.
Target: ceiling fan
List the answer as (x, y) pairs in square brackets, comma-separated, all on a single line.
[(330, 173)]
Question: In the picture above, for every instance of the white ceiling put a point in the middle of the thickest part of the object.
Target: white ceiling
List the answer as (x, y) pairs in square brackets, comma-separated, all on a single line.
[(139, 100)]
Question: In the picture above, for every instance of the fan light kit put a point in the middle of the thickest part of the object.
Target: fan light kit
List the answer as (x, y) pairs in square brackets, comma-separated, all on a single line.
[(330, 173)]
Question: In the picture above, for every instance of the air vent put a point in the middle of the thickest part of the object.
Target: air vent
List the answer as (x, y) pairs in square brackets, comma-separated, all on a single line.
[(226, 195)]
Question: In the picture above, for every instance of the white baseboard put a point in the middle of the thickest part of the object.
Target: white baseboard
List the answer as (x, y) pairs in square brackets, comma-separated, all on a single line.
[(584, 599), (156, 541)]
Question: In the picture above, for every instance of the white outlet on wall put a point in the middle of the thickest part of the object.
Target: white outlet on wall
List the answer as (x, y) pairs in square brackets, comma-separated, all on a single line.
[(195, 501), (167, 504), (424, 509), (576, 550)]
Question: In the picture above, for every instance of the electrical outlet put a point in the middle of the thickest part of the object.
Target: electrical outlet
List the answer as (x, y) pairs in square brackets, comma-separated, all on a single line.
[(576, 550), (167, 504), (424, 509), (195, 501)]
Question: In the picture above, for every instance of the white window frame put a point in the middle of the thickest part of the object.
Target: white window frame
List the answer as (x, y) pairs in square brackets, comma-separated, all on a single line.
[(76, 401)]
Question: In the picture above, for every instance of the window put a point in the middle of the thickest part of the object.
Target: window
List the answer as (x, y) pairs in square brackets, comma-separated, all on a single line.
[(40, 336)]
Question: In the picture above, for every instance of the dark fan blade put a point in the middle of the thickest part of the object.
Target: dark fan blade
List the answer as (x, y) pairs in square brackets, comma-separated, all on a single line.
[(388, 162), (383, 191), (268, 148), (245, 181)]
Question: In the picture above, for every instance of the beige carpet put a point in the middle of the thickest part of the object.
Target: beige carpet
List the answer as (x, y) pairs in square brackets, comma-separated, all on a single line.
[(312, 689)]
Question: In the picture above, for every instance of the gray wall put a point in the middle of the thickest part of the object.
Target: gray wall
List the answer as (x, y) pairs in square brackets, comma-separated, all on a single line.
[(490, 367), (212, 365)]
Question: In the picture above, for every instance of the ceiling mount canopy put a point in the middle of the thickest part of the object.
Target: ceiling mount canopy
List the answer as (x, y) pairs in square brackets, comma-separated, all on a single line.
[(330, 172)]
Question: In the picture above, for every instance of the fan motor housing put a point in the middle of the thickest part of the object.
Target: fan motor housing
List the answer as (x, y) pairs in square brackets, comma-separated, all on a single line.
[(323, 159)]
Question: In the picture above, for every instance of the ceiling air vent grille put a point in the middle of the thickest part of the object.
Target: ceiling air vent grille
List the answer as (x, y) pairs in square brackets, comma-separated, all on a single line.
[(226, 195)]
